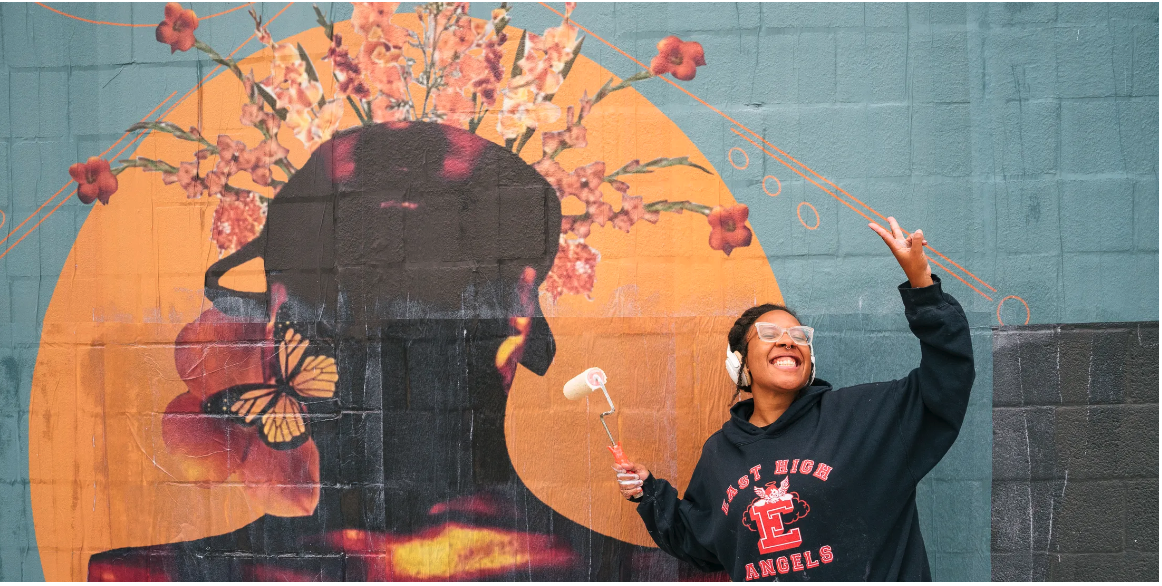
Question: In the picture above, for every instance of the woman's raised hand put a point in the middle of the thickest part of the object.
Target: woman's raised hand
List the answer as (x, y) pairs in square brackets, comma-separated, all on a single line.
[(909, 252), (630, 478)]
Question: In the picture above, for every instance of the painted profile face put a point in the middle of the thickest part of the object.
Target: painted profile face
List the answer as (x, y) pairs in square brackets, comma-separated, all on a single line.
[(781, 365)]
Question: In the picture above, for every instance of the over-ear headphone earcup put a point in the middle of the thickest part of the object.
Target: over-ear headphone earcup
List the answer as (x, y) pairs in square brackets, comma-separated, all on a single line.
[(734, 358)]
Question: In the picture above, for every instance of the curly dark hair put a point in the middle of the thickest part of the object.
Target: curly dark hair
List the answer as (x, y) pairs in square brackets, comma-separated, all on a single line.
[(737, 337)]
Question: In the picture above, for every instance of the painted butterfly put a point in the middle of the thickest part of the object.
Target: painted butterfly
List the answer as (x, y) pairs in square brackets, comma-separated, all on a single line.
[(301, 374)]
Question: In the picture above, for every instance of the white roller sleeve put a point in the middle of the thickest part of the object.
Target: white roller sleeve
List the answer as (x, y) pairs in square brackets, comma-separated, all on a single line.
[(584, 383)]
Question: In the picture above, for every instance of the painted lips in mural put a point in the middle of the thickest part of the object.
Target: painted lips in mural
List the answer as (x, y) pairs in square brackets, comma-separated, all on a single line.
[(400, 262)]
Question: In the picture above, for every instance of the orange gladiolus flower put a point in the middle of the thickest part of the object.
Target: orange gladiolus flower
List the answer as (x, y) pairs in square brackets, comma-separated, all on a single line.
[(94, 180), (728, 228), (177, 30), (678, 57)]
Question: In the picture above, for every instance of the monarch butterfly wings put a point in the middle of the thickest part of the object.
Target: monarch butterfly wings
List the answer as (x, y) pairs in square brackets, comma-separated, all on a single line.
[(311, 376), (278, 416), (277, 407)]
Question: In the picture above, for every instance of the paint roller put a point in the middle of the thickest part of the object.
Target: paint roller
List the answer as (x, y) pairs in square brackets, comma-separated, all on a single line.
[(581, 386)]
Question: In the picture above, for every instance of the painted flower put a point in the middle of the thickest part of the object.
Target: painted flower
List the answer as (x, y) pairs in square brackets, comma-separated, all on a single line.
[(574, 270), (373, 21), (558, 44), (579, 225), (553, 172), (458, 40), (228, 152), (632, 210), (254, 114), (238, 219), (523, 109), (599, 212), (94, 180), (538, 74), (323, 126), (347, 72), (177, 30), (456, 108), (380, 62), (215, 352), (573, 136), (678, 57), (486, 85), (287, 67), (187, 178), (584, 183), (728, 228)]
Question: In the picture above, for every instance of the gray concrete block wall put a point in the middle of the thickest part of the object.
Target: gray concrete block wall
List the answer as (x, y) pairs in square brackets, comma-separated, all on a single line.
[(1075, 452)]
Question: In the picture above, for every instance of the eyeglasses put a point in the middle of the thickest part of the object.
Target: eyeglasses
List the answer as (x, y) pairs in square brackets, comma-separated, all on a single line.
[(801, 335)]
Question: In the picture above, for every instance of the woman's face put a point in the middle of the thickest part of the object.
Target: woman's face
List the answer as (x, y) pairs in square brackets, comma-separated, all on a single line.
[(781, 365)]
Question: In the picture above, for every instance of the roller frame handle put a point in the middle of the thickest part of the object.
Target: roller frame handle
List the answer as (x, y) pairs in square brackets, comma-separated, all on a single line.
[(619, 455)]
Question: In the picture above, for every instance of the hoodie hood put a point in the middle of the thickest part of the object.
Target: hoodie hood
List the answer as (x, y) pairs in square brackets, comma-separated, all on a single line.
[(740, 431)]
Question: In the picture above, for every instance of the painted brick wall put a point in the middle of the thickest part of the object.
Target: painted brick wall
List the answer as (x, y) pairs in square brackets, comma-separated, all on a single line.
[(1075, 452), (1023, 138)]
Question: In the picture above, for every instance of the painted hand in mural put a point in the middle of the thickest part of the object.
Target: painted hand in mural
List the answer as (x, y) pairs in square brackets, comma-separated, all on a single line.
[(908, 250), (630, 479)]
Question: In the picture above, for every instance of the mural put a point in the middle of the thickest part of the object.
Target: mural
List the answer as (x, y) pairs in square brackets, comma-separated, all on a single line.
[(304, 305), (350, 396)]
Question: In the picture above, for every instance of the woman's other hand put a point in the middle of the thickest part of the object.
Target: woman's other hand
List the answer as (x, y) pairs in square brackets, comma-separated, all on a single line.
[(629, 479), (909, 252)]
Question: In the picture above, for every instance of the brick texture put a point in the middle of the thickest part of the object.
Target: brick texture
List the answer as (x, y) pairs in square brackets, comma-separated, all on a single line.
[(1075, 452)]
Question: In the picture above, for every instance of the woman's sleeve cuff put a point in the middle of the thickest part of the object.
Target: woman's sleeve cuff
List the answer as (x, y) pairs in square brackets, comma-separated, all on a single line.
[(915, 297), (648, 486)]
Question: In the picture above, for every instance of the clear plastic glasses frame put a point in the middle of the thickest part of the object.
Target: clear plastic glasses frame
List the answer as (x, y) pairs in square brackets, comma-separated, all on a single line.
[(801, 335)]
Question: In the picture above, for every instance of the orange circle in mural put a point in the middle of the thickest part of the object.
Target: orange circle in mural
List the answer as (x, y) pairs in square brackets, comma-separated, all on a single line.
[(746, 158), (799, 210), (1002, 302), (101, 474), (778, 186)]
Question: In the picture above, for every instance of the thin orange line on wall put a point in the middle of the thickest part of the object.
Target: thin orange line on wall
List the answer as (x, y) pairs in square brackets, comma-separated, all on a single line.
[(825, 190), (960, 279), (114, 145), (82, 19), (33, 228), (871, 209), (66, 198), (66, 185), (758, 136)]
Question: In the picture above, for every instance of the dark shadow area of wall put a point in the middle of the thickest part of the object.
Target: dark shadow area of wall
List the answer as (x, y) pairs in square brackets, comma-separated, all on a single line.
[(1075, 452)]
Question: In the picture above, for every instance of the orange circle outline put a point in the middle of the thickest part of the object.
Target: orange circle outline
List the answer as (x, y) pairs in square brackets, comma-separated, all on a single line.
[(3, 218), (730, 157), (777, 191), (1002, 302), (799, 208)]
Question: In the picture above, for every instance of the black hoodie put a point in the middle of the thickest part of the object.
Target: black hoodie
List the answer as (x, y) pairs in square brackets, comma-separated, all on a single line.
[(828, 491)]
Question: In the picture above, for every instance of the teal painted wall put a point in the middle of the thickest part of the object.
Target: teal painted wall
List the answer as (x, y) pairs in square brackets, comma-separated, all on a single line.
[(1023, 139)]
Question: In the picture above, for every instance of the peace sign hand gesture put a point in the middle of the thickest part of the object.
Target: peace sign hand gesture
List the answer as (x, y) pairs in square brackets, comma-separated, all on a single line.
[(909, 252)]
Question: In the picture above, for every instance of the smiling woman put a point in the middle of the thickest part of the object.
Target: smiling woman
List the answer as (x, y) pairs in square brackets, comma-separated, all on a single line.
[(830, 441)]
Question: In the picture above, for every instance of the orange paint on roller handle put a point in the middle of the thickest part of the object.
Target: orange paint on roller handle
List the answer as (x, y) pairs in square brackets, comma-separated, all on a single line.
[(619, 455)]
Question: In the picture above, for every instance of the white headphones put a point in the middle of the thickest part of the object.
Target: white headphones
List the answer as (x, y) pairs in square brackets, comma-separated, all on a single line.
[(735, 367)]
